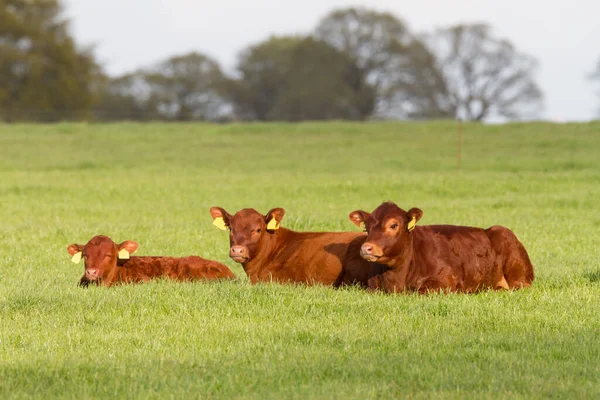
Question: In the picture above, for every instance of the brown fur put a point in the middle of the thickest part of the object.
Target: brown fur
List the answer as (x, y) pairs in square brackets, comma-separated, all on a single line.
[(103, 267), (283, 255), (440, 257)]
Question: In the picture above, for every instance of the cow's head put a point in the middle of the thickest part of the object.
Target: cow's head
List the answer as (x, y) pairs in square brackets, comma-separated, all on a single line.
[(100, 255), (248, 230), (389, 231)]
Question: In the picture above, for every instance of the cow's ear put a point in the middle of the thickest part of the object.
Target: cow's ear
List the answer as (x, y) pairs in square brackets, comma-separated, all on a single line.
[(358, 217), (274, 217), (414, 215), (75, 248), (126, 248), (220, 217), (76, 251)]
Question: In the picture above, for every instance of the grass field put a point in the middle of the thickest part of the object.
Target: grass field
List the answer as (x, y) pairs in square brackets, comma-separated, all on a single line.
[(154, 183)]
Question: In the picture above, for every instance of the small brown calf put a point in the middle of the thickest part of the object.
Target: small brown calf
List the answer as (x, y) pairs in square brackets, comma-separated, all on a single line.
[(108, 263)]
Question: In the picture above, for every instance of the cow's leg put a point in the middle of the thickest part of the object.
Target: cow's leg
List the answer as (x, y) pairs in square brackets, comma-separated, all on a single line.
[(502, 284), (512, 257)]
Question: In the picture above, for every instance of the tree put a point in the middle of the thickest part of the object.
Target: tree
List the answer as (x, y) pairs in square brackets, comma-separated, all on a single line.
[(378, 43), (262, 69), (462, 71), (298, 78), (187, 87), (414, 83), (43, 75), (472, 75), (323, 83), (127, 97), (181, 88)]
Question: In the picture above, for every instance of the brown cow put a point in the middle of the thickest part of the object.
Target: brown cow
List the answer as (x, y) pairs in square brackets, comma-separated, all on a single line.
[(108, 263), (439, 257), (270, 253)]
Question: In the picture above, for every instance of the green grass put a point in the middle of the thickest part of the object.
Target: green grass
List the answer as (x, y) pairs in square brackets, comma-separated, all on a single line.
[(154, 183)]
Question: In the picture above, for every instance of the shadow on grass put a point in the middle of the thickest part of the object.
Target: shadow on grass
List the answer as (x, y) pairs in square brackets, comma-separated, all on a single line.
[(592, 276)]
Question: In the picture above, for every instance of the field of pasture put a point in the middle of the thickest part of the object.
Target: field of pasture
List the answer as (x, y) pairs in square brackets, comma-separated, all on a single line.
[(154, 183)]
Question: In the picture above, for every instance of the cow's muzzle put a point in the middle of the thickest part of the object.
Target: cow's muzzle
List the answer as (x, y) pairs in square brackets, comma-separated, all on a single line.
[(370, 252), (93, 274), (239, 254)]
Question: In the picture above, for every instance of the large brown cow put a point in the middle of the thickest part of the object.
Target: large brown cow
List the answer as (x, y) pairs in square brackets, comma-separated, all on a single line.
[(439, 257), (108, 263), (270, 253)]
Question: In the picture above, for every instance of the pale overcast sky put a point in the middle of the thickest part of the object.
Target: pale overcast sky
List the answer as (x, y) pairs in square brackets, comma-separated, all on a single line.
[(564, 35)]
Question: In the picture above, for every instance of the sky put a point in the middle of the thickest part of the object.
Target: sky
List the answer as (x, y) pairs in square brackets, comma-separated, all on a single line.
[(563, 35)]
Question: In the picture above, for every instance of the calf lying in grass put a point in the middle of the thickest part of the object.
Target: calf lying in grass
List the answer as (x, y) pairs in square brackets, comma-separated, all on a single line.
[(269, 252), (439, 257), (108, 263)]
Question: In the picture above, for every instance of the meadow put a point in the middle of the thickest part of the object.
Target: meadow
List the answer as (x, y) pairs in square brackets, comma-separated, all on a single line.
[(154, 183)]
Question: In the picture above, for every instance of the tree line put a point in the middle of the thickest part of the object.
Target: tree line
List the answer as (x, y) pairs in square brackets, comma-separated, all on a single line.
[(357, 64)]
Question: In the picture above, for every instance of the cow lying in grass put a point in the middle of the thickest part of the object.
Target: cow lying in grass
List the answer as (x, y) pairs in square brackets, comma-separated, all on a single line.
[(439, 257), (269, 252), (108, 263)]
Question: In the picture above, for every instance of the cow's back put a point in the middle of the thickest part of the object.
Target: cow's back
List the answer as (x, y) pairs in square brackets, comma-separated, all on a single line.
[(315, 257), (144, 268), (455, 257), (194, 267)]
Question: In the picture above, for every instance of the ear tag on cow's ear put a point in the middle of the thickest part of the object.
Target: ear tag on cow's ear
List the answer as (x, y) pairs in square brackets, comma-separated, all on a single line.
[(123, 254), (76, 257), (363, 226), (411, 224), (219, 222), (272, 225)]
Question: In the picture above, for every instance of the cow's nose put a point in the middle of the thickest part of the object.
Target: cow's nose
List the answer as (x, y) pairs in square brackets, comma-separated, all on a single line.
[(239, 251), (367, 248), (91, 273)]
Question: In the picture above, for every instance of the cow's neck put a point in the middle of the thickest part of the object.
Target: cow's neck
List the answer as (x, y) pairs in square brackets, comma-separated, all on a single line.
[(112, 275), (119, 273), (399, 277), (269, 248)]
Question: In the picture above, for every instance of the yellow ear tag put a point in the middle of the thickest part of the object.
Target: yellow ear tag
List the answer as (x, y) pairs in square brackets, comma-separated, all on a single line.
[(363, 227), (411, 224), (272, 225), (76, 257), (219, 222), (123, 254)]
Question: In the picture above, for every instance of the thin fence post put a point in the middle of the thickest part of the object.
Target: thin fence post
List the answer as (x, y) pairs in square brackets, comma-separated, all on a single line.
[(460, 140)]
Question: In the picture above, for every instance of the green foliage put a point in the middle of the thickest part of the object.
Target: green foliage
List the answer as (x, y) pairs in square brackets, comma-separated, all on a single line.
[(155, 183), (296, 78), (126, 97), (185, 87), (379, 43), (181, 88), (368, 36), (43, 75)]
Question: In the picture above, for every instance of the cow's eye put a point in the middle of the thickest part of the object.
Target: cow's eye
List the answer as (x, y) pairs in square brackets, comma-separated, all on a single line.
[(258, 230), (393, 226)]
